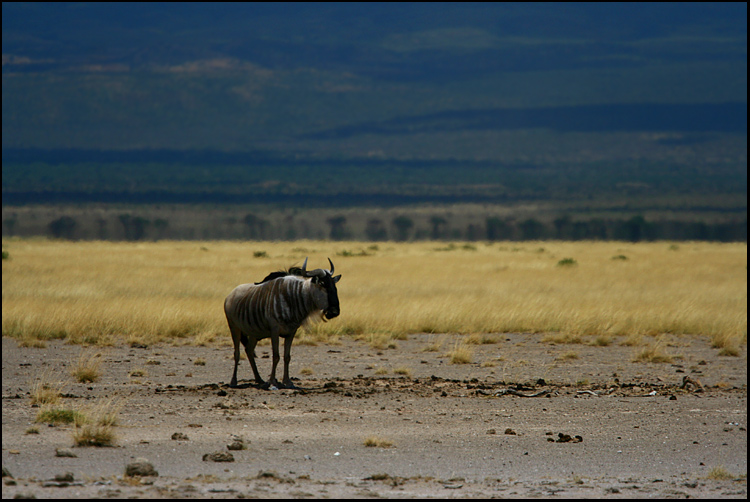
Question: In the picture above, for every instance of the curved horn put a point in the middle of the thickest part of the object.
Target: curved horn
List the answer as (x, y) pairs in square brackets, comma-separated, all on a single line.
[(329, 261)]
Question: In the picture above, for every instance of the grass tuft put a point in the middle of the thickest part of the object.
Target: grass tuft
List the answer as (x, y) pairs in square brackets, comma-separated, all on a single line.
[(43, 391), (461, 354), (94, 435), (88, 367), (402, 370), (719, 473), (653, 353), (375, 441), (57, 416)]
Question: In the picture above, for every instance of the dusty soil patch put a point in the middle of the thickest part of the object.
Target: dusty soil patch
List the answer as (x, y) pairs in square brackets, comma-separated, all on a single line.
[(456, 430)]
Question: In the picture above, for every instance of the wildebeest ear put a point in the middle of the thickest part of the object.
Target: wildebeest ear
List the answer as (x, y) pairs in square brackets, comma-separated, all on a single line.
[(336, 279)]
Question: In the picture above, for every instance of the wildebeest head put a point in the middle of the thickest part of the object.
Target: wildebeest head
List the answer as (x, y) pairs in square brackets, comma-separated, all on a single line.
[(325, 280)]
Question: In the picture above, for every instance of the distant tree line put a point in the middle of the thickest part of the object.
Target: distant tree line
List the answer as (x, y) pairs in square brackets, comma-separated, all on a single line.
[(399, 228)]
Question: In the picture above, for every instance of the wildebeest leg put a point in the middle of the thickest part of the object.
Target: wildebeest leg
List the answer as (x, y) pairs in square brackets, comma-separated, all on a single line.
[(236, 335), (287, 382), (249, 344), (272, 384)]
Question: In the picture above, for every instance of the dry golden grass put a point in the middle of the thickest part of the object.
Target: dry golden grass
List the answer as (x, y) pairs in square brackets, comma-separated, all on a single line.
[(461, 354), (375, 441), (719, 473), (45, 391), (653, 353), (402, 370), (94, 435), (567, 356), (106, 293), (88, 367)]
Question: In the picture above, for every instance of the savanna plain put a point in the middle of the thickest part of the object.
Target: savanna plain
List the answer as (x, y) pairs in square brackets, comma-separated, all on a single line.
[(463, 369)]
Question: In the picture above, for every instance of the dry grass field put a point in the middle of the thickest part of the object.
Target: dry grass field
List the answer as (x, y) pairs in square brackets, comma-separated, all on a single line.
[(112, 293)]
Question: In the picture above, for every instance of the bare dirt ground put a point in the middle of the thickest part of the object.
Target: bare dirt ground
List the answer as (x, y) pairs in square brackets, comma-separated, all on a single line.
[(457, 430)]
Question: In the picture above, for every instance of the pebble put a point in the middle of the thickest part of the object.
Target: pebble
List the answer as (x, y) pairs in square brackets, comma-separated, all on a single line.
[(141, 467)]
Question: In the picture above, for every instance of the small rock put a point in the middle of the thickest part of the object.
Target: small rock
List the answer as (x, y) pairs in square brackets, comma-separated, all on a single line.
[(238, 444), (141, 467), (65, 452), (218, 457)]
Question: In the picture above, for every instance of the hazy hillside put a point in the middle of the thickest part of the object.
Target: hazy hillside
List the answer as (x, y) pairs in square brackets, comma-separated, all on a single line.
[(633, 105)]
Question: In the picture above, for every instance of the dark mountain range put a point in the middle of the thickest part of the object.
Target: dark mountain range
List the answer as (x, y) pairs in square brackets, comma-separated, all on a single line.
[(414, 101)]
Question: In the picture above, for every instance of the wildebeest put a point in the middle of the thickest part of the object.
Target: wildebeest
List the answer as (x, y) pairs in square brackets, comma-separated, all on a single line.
[(276, 307)]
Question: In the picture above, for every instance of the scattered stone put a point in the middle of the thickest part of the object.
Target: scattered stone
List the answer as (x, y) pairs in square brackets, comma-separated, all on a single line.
[(237, 444), (218, 456), (65, 452), (268, 474), (567, 438), (692, 384), (141, 467), (179, 436), (67, 477)]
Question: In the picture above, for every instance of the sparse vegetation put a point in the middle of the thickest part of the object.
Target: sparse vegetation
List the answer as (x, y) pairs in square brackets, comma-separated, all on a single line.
[(461, 354), (719, 473), (44, 391), (565, 338), (94, 435), (106, 410), (567, 356), (88, 367), (653, 353), (375, 441), (56, 416), (602, 340)]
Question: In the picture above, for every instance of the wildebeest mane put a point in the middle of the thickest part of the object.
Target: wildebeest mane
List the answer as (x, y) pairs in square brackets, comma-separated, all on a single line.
[(282, 273)]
